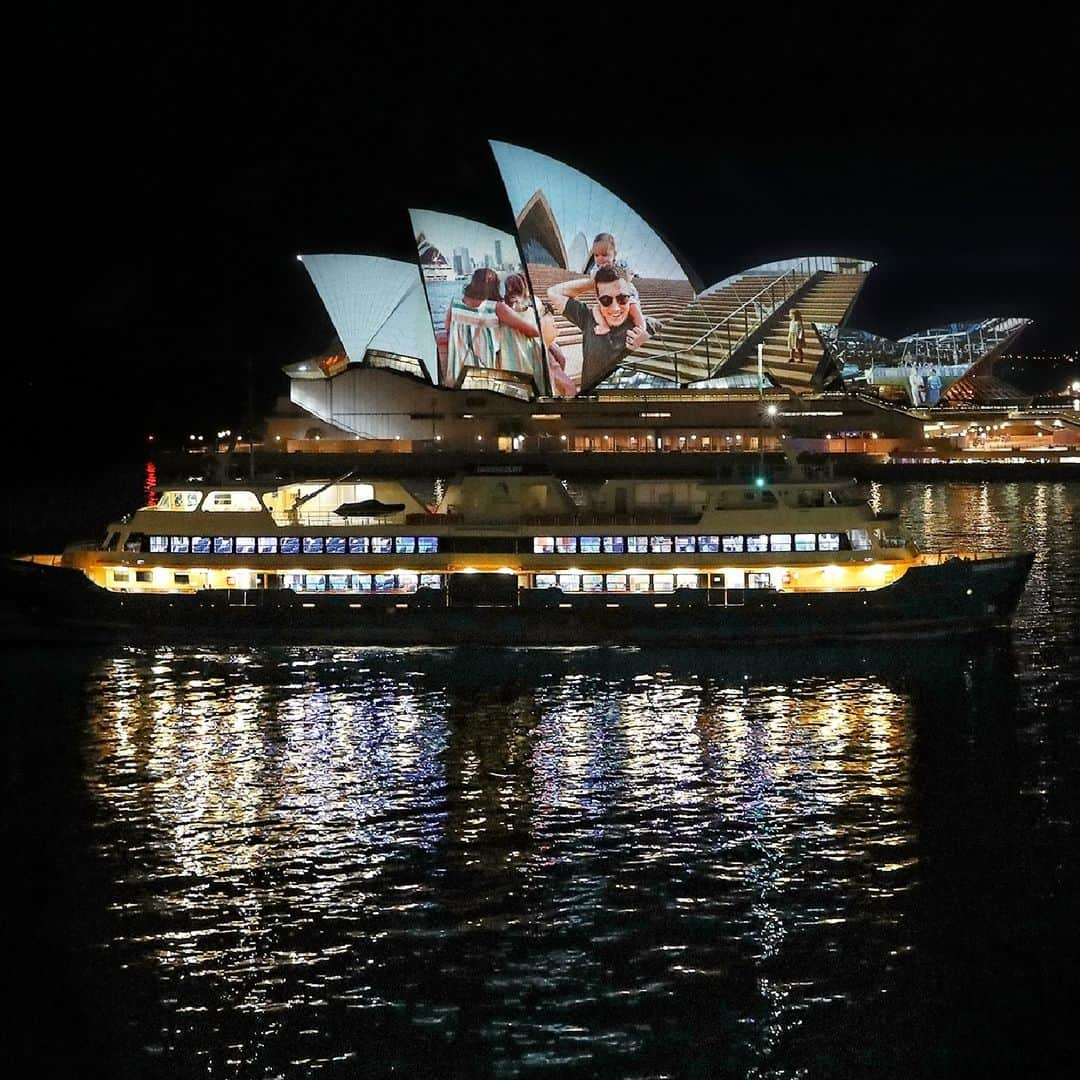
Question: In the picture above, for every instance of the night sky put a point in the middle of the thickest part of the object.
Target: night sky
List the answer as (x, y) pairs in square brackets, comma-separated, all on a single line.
[(178, 173)]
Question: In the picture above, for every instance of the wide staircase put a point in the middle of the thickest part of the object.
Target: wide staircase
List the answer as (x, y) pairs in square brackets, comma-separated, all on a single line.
[(826, 297), (695, 342)]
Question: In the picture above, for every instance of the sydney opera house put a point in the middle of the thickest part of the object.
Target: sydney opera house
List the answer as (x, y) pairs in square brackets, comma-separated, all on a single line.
[(427, 354)]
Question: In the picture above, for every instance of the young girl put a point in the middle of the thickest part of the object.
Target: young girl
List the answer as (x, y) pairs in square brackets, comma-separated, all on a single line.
[(604, 254)]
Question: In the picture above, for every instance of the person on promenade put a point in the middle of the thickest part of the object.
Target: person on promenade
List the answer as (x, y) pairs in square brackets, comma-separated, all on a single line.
[(600, 353)]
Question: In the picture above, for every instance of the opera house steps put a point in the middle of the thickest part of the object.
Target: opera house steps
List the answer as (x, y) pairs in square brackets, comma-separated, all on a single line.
[(827, 297)]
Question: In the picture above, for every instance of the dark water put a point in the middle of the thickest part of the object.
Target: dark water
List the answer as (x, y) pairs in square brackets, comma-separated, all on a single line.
[(368, 862)]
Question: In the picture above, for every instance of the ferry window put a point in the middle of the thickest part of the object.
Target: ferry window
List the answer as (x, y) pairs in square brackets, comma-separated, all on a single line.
[(686, 581), (804, 541), (200, 545), (828, 541), (405, 545), (616, 583), (143, 575), (780, 542), (136, 541), (614, 545), (663, 582), (570, 582), (592, 582), (381, 545), (179, 545), (267, 545), (639, 582), (335, 545), (384, 582), (339, 582), (545, 581), (637, 545), (718, 581), (121, 575), (181, 579), (290, 545), (685, 543), (427, 545), (758, 542), (759, 581), (223, 545), (733, 543), (159, 543), (566, 545), (315, 582), (232, 501), (294, 581), (245, 545), (708, 545), (431, 581), (543, 545), (407, 582), (313, 545), (361, 582), (660, 544), (590, 545), (358, 545), (860, 540)]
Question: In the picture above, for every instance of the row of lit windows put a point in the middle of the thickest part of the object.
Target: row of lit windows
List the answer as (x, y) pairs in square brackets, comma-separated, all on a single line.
[(365, 583), (295, 545), (636, 583), (688, 545)]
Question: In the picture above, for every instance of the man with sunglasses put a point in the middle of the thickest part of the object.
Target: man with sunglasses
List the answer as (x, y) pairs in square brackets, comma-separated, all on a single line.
[(600, 353)]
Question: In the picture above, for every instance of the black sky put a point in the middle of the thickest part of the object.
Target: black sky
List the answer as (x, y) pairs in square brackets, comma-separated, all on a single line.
[(177, 171)]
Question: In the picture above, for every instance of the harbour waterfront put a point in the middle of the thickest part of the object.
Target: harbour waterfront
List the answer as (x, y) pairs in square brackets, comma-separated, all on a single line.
[(810, 861)]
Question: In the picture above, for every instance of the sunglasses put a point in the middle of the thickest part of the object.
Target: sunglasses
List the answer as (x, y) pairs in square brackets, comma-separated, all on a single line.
[(607, 301)]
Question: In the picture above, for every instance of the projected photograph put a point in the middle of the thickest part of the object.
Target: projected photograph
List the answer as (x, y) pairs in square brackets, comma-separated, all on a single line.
[(487, 325), (609, 279)]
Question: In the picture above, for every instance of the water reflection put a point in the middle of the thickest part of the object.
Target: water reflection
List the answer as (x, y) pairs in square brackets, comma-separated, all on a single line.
[(544, 856)]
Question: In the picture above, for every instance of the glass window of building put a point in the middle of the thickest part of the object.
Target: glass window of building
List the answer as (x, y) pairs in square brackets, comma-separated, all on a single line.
[(860, 540), (780, 541), (590, 545), (339, 582), (637, 545), (759, 581), (358, 545), (545, 581), (804, 541), (639, 582), (143, 576), (382, 545), (223, 545), (828, 541), (708, 545), (685, 544), (335, 545), (543, 545), (431, 581), (245, 545), (663, 582), (385, 582), (757, 542), (179, 545), (315, 582), (267, 545), (661, 545), (405, 545), (566, 545), (592, 582), (616, 582), (407, 582), (427, 545), (686, 581), (313, 545), (290, 545), (570, 582), (361, 582), (614, 545), (733, 544), (231, 501), (159, 543), (200, 545), (121, 575)]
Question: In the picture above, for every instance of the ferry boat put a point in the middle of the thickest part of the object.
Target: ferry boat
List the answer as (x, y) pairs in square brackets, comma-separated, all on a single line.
[(511, 556)]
